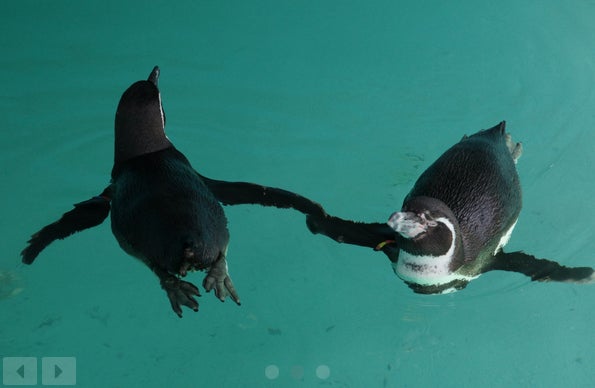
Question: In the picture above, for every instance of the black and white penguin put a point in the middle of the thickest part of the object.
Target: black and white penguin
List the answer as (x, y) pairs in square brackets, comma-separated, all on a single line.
[(163, 211), (455, 221)]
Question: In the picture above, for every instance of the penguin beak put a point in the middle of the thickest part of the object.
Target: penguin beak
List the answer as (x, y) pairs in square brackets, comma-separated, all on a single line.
[(408, 224), (154, 76)]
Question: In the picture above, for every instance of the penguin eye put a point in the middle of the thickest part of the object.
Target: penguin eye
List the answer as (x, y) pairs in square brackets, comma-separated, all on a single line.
[(428, 219)]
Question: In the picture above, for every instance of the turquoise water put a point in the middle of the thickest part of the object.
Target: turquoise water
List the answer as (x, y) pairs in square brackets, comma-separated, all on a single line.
[(344, 102)]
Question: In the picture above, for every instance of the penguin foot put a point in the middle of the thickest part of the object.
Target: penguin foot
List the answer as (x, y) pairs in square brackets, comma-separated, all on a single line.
[(516, 149), (219, 280), (180, 293)]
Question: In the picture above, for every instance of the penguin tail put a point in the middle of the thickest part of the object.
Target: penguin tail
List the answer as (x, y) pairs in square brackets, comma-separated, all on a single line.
[(495, 132)]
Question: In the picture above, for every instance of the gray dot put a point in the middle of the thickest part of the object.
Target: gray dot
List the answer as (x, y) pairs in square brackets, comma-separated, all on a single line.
[(271, 372), (297, 372), (323, 372)]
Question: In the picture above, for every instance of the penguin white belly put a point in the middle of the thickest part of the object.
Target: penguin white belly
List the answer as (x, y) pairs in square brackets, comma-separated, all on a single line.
[(427, 270), (505, 238)]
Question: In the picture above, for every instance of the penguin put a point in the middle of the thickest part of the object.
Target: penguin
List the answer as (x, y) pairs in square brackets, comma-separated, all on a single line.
[(163, 212), (455, 221)]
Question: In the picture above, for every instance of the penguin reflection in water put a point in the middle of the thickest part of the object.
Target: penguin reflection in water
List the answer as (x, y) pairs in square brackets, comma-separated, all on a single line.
[(455, 221), (162, 211)]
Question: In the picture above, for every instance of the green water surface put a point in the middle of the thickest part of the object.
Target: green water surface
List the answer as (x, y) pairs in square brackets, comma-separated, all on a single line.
[(346, 102)]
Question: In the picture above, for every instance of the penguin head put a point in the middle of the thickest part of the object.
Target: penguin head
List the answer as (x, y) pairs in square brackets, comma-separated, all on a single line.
[(429, 240), (140, 120)]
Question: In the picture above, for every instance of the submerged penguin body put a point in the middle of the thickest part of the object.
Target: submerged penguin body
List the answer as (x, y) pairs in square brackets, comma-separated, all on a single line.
[(478, 181), (163, 211), (455, 221), (474, 187)]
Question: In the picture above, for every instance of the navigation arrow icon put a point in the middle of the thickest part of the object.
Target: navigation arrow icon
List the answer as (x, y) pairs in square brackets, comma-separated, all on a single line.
[(58, 371), (21, 371)]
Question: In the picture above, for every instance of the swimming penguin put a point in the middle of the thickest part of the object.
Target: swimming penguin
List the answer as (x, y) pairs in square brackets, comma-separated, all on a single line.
[(455, 221), (163, 211)]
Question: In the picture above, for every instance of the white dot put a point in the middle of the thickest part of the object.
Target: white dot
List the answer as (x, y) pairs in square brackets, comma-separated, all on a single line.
[(323, 372), (271, 372)]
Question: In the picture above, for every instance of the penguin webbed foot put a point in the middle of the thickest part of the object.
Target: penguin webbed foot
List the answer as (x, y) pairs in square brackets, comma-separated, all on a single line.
[(180, 292), (516, 149), (218, 279)]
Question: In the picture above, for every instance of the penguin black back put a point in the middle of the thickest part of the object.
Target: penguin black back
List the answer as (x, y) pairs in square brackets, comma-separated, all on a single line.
[(477, 179)]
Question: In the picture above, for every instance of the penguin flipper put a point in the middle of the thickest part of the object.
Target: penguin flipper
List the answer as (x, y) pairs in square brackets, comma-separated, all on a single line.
[(86, 214), (373, 235), (541, 270), (241, 193)]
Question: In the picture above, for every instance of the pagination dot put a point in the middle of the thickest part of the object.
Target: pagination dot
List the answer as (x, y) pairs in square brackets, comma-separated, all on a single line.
[(271, 372), (297, 372), (323, 372)]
